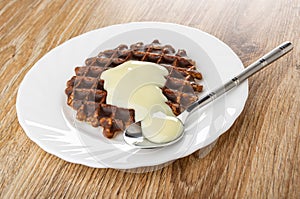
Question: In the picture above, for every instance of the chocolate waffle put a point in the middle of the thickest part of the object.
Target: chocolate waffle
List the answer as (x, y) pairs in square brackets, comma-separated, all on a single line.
[(87, 96)]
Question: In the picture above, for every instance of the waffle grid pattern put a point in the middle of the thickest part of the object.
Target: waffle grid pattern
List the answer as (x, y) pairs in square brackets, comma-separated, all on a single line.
[(87, 96)]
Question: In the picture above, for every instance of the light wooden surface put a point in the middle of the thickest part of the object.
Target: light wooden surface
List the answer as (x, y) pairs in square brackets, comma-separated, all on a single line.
[(258, 157)]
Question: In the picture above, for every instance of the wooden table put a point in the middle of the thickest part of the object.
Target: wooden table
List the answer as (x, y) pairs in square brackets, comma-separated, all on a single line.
[(258, 157)]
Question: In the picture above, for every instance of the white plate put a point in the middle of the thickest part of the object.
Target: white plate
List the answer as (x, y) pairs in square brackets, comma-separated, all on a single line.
[(48, 121)]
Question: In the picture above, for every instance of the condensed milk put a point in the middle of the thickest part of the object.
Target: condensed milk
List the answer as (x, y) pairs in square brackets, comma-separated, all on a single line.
[(136, 85)]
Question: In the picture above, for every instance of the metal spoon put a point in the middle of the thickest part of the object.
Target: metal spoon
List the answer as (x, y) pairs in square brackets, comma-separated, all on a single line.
[(133, 134)]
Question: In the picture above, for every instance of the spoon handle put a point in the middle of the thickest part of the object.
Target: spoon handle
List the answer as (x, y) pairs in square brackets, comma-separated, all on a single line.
[(267, 59)]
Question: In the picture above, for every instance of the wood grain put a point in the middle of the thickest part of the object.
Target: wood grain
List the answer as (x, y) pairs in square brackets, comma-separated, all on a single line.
[(258, 157)]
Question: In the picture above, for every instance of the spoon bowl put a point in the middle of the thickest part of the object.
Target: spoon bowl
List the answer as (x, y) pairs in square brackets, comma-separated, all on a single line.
[(133, 135)]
